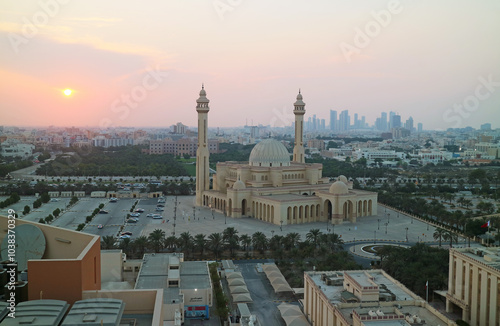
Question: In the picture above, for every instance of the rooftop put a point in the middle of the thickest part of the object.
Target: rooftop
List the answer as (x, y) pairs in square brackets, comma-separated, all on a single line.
[(486, 256)]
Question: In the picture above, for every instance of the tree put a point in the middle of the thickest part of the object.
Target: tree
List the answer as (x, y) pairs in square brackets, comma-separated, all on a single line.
[(199, 243), (259, 241), (107, 242), (141, 243), (156, 239), (230, 236), (439, 234), (185, 242), (485, 207), (26, 210), (126, 245), (170, 242), (450, 236), (215, 243), (291, 240), (56, 212), (313, 236), (246, 241)]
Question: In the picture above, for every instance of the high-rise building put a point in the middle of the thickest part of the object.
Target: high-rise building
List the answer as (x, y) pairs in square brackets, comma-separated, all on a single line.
[(409, 124), (396, 121), (344, 121), (383, 122), (322, 125), (391, 118), (420, 127), (333, 120), (486, 126)]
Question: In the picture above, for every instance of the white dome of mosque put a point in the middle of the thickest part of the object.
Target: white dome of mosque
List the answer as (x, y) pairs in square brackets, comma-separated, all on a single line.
[(239, 185), (269, 152), (339, 188), (343, 179)]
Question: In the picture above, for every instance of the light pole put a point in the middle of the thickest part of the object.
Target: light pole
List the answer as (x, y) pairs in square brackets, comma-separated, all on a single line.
[(386, 227), (374, 236), (272, 233), (281, 225), (354, 245), (378, 224), (406, 234), (388, 215), (194, 213)]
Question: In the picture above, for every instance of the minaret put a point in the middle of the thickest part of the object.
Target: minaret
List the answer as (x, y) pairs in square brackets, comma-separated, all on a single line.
[(299, 111), (202, 154)]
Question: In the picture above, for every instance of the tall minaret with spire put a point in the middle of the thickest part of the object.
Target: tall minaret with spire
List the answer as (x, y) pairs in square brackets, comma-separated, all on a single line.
[(202, 154), (299, 111)]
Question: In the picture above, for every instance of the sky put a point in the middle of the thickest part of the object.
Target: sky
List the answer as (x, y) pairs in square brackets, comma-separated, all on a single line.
[(142, 63)]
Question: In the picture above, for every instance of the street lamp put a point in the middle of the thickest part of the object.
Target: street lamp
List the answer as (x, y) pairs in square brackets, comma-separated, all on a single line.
[(406, 234), (378, 224), (281, 225), (386, 227), (388, 215), (354, 245), (272, 233), (374, 236)]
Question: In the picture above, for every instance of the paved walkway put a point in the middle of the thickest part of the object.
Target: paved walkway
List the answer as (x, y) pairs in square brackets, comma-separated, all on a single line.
[(386, 225)]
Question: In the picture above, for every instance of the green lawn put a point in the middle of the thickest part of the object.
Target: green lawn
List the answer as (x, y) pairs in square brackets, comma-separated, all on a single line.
[(191, 169)]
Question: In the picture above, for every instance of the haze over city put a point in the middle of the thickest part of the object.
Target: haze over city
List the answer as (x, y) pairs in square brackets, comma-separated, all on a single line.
[(134, 64)]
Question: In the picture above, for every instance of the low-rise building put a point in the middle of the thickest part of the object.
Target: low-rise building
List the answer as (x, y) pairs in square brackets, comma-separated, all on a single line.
[(364, 297), (473, 285)]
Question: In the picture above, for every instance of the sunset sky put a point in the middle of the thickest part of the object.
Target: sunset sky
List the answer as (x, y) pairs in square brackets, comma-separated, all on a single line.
[(142, 63)]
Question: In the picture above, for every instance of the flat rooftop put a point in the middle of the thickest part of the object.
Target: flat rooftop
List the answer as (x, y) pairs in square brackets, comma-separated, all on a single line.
[(195, 275), (364, 278), (487, 256)]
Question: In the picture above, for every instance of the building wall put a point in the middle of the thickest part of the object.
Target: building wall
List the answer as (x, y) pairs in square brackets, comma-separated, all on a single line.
[(474, 287), (111, 266)]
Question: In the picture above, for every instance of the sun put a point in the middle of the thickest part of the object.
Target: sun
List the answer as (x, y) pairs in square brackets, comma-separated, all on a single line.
[(67, 92)]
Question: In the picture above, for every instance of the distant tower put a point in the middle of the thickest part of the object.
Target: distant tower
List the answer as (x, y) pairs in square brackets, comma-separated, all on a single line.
[(299, 111), (202, 154)]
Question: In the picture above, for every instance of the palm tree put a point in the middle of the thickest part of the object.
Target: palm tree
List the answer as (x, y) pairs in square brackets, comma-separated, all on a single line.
[(292, 239), (185, 242), (108, 242), (215, 243), (156, 239), (276, 242), (140, 243), (450, 235), (313, 236), (125, 245), (171, 242), (259, 241), (333, 241), (439, 235), (246, 241), (230, 236), (199, 242)]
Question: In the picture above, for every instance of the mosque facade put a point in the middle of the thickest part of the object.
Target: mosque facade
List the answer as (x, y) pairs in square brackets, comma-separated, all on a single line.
[(272, 187)]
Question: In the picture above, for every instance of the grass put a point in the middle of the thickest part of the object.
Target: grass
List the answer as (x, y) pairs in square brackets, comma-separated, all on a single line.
[(191, 169)]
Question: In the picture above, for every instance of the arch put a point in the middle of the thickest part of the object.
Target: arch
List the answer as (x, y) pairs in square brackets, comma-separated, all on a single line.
[(294, 212), (230, 207), (318, 212), (328, 209), (289, 213), (301, 211), (360, 208), (227, 185), (272, 214), (306, 212), (244, 207), (347, 211), (312, 211), (269, 213), (305, 194), (370, 207), (260, 211)]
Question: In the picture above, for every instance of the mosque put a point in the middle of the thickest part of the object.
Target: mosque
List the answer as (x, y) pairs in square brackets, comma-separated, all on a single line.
[(273, 188)]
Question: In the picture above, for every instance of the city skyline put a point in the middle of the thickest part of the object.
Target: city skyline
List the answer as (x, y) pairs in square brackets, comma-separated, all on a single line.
[(344, 56)]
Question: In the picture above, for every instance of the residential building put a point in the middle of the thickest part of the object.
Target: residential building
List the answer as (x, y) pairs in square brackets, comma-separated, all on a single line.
[(180, 146), (15, 148)]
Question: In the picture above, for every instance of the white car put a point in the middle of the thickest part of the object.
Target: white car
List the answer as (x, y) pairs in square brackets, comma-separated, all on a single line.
[(157, 217)]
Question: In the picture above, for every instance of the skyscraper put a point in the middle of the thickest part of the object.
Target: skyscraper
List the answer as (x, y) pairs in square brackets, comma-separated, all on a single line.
[(396, 121), (409, 124), (420, 127), (383, 122), (344, 121), (333, 120)]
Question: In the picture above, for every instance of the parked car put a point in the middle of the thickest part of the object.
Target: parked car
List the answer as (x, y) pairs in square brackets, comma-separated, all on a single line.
[(160, 205), (157, 217), (132, 220), (125, 236), (139, 210), (150, 215), (159, 209), (126, 233), (99, 226), (102, 211), (135, 214)]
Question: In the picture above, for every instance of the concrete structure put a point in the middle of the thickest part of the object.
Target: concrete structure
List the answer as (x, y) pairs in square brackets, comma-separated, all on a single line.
[(473, 285), (180, 147), (38, 312), (299, 111), (366, 298), (202, 153), (272, 188), (15, 148)]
